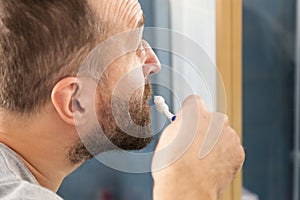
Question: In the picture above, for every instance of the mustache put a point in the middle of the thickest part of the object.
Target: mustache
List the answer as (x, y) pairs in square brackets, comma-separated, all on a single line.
[(139, 108)]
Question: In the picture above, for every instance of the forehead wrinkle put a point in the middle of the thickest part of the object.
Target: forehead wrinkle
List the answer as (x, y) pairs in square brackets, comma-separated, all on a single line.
[(135, 15)]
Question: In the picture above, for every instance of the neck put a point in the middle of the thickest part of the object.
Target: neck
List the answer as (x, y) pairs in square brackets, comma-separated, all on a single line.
[(43, 149)]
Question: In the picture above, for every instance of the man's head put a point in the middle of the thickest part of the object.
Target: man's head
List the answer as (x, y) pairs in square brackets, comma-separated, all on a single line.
[(43, 44)]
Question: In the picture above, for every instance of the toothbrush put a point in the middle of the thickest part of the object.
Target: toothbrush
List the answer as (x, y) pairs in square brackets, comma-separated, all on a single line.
[(163, 108)]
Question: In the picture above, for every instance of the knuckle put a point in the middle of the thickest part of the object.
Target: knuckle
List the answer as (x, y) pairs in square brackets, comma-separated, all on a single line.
[(195, 99), (233, 132), (226, 120), (206, 115), (229, 131), (236, 137), (240, 155)]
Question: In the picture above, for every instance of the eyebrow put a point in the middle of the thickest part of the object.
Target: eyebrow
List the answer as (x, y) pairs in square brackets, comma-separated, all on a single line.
[(141, 22)]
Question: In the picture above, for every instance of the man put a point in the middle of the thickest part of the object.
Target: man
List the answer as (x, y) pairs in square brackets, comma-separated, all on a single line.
[(48, 105)]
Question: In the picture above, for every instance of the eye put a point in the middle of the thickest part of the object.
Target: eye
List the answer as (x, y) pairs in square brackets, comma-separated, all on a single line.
[(141, 50)]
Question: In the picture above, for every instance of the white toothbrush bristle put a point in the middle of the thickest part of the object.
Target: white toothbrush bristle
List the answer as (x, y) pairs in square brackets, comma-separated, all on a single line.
[(163, 108)]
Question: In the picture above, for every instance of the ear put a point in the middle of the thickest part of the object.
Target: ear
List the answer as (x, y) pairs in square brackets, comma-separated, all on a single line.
[(64, 99)]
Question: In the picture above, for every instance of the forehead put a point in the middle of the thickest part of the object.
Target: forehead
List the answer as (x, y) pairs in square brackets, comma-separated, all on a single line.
[(119, 15)]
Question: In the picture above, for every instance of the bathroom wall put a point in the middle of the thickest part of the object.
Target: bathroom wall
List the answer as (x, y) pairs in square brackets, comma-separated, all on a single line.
[(268, 92), (194, 24)]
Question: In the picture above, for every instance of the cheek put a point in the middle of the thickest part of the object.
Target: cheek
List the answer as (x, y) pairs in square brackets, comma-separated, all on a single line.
[(123, 66), (103, 94), (126, 77)]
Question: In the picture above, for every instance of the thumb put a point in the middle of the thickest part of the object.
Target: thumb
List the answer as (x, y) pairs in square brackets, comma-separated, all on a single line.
[(191, 107)]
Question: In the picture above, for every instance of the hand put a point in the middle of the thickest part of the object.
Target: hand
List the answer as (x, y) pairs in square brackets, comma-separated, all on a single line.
[(177, 169)]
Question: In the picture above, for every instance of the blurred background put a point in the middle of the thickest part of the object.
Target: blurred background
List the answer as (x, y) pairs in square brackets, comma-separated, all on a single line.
[(270, 131), (269, 45)]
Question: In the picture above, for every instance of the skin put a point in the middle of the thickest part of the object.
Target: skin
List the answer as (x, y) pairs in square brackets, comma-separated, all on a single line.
[(43, 139), (190, 177)]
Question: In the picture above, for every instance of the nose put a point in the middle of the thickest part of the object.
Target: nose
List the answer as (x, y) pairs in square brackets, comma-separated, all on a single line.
[(151, 63)]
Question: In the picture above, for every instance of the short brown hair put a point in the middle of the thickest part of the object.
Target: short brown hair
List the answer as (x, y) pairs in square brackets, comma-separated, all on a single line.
[(41, 41)]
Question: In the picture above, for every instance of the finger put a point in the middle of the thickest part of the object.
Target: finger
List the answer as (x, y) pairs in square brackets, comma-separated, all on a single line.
[(213, 134), (191, 105), (192, 99), (183, 131)]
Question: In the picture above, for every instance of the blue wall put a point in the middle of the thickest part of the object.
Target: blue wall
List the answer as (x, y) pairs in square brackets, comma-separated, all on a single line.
[(268, 64)]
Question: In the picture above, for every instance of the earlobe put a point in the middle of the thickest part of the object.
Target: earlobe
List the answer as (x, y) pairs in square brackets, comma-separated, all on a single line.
[(64, 99)]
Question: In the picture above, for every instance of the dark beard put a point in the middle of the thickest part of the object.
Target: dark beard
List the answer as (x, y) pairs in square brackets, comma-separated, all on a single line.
[(124, 125)]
